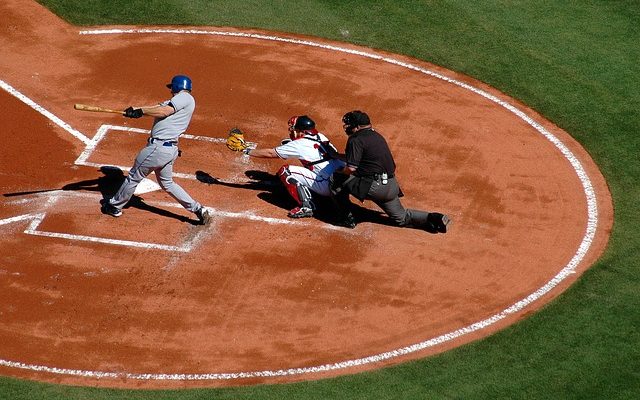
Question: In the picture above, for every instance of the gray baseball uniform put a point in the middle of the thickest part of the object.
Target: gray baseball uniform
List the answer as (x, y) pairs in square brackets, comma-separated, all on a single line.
[(160, 154)]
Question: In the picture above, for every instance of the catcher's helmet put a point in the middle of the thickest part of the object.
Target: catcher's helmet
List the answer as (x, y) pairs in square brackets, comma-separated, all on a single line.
[(179, 82), (301, 123)]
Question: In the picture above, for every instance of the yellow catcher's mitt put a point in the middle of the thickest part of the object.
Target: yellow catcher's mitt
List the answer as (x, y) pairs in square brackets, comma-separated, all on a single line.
[(235, 140)]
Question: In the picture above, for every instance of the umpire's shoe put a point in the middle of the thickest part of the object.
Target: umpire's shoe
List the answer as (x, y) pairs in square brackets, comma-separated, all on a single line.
[(203, 216), (109, 209), (441, 223), (348, 221)]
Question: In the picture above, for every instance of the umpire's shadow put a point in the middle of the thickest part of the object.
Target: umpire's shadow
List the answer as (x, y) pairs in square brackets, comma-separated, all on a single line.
[(273, 192)]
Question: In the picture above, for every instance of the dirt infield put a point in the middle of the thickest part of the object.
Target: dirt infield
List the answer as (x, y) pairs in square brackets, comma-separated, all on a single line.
[(151, 300)]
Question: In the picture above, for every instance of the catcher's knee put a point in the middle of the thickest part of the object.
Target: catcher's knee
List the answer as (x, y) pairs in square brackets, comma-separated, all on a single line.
[(285, 175)]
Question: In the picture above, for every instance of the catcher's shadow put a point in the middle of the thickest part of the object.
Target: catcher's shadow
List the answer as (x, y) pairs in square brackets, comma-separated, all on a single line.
[(272, 191)]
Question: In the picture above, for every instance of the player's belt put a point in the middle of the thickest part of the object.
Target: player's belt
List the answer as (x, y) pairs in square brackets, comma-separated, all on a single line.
[(167, 143)]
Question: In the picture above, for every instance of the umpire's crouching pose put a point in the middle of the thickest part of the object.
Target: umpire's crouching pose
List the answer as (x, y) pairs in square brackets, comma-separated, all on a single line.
[(370, 174)]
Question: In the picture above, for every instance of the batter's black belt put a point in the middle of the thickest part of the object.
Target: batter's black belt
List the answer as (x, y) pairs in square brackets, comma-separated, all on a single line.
[(166, 143)]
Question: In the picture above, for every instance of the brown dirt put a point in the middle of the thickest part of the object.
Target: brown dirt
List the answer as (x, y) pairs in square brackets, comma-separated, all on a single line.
[(251, 295)]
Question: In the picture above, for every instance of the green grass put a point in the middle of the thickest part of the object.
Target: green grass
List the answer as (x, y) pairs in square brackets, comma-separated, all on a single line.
[(576, 62)]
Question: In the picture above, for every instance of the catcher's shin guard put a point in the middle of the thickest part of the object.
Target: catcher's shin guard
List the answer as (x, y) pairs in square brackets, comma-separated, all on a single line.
[(304, 194), (300, 193)]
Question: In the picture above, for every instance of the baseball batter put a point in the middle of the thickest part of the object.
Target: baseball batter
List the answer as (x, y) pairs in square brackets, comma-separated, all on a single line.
[(317, 156), (171, 119)]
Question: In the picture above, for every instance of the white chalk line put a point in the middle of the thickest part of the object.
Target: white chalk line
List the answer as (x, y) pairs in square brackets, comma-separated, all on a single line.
[(104, 130), (567, 270), (54, 196), (11, 90), (188, 246)]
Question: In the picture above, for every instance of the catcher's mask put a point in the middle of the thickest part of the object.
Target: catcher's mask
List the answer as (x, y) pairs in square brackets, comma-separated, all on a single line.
[(179, 82), (301, 125), (355, 119)]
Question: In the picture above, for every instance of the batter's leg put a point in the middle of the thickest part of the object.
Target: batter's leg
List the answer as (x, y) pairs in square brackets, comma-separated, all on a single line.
[(138, 172), (165, 180)]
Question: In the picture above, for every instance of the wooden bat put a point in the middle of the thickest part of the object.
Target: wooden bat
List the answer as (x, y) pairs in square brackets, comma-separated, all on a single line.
[(84, 107)]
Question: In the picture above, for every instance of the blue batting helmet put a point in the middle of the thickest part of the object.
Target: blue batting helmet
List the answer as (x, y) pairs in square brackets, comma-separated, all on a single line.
[(180, 82)]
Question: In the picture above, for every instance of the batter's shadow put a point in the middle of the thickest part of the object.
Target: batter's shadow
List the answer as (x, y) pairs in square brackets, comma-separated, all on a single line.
[(273, 192), (107, 184), (138, 203)]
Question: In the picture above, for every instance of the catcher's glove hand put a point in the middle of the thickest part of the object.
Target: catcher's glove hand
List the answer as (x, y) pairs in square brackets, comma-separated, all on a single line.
[(235, 140)]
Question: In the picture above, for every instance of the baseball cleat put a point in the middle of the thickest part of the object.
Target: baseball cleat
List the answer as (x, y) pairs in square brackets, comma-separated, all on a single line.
[(443, 224), (348, 221), (203, 216), (108, 209), (301, 212)]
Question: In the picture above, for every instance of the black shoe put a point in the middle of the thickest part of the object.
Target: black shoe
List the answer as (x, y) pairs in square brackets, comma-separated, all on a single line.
[(348, 221), (203, 216), (108, 209), (441, 222)]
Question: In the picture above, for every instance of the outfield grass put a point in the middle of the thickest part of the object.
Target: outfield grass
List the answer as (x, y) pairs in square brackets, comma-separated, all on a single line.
[(577, 63)]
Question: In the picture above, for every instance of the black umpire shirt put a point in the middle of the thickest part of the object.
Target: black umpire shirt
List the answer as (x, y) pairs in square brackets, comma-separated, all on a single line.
[(368, 151)]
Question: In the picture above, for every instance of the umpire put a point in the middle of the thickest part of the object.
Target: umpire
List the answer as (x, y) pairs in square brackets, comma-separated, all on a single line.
[(370, 174)]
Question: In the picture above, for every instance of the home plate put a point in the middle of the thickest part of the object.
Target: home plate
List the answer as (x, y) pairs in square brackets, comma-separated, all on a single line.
[(146, 186)]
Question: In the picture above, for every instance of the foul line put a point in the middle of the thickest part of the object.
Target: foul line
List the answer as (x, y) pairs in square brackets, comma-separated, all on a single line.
[(77, 134), (592, 223)]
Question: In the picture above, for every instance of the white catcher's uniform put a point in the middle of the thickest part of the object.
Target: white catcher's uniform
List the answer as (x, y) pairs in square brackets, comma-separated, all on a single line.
[(316, 170)]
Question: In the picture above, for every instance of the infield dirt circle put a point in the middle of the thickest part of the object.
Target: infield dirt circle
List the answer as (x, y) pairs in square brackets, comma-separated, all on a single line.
[(151, 300)]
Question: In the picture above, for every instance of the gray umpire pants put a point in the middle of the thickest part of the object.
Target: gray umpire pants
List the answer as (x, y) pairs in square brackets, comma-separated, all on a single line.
[(159, 158), (386, 197)]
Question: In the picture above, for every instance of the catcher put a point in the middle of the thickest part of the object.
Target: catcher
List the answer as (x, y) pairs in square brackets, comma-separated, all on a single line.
[(318, 156)]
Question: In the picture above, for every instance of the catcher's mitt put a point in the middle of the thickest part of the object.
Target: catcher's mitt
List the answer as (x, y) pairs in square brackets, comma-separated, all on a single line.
[(235, 140)]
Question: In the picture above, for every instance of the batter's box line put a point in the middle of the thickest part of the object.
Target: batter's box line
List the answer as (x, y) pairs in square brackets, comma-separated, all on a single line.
[(186, 247), (52, 199), (104, 129), (38, 218)]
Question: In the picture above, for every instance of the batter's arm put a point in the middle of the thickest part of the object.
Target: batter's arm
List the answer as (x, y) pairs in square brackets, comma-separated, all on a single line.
[(157, 111)]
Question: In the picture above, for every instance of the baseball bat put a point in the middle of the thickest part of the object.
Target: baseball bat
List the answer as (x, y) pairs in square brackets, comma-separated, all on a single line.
[(84, 107)]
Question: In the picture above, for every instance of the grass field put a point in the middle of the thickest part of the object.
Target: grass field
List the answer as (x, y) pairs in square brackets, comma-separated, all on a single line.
[(577, 63)]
